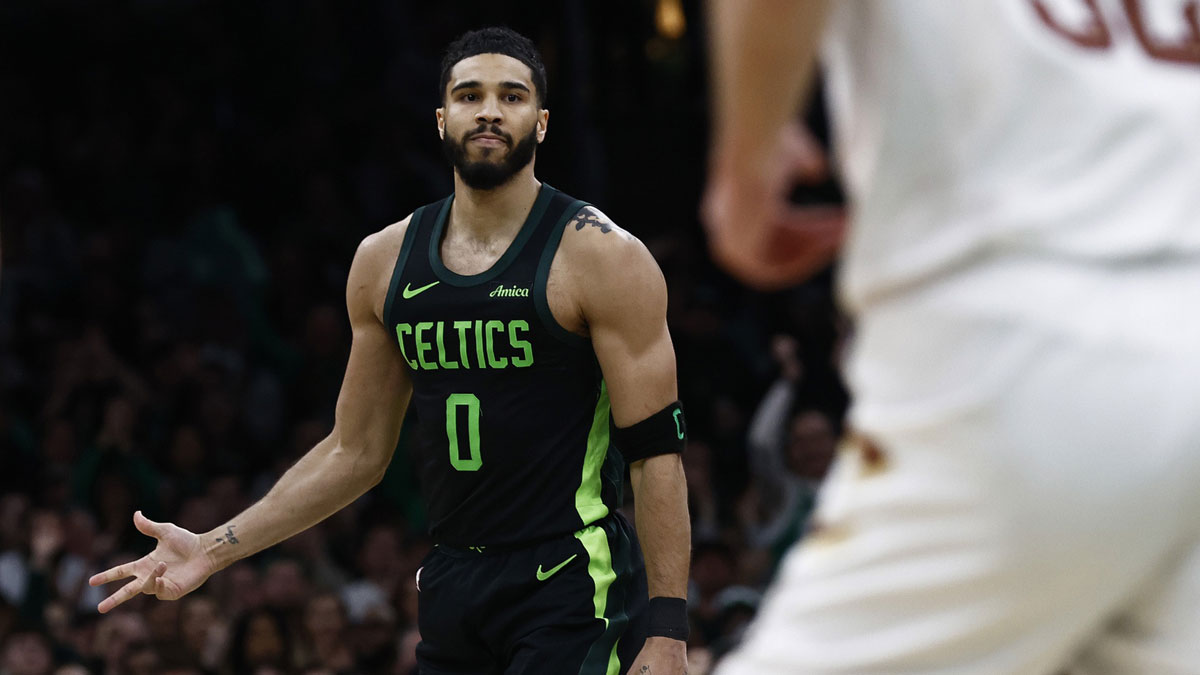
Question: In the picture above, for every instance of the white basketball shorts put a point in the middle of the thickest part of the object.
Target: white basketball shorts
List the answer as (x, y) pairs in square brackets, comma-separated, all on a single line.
[(1022, 490)]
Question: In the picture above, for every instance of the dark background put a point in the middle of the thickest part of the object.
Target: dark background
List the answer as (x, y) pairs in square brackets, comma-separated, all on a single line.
[(182, 188)]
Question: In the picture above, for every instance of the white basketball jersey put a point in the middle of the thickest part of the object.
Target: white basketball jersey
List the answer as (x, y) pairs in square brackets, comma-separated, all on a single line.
[(969, 130)]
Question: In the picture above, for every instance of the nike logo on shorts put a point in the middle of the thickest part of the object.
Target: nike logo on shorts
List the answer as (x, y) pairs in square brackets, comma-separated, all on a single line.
[(542, 576)]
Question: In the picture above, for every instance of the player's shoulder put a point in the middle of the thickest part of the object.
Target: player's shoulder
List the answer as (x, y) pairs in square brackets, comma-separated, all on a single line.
[(382, 247), (376, 257), (367, 283), (591, 239), (605, 260)]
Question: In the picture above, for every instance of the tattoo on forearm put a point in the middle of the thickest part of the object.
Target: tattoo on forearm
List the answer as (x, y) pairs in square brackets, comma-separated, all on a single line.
[(228, 536), (645, 669)]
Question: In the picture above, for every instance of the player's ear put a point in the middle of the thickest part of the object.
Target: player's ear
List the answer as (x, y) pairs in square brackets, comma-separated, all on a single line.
[(440, 114), (542, 122)]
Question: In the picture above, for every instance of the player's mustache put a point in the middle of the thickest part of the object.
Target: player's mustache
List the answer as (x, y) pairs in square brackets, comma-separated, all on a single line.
[(485, 129)]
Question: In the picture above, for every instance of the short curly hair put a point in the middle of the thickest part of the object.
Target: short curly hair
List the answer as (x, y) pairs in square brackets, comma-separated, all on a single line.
[(495, 40)]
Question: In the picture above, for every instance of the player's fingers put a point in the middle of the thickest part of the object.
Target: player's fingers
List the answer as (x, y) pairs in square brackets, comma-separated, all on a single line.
[(150, 585), (804, 157), (146, 526), (752, 270), (738, 253), (807, 241), (734, 227), (807, 228), (112, 574), (800, 242), (125, 593)]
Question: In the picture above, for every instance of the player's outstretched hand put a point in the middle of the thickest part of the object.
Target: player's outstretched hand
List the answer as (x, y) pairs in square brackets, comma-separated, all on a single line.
[(176, 567), (754, 231)]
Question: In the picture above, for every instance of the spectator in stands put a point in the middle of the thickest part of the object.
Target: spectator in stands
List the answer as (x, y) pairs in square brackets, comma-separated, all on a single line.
[(789, 452)]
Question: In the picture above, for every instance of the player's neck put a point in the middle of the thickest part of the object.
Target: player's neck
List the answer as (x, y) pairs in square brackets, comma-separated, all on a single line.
[(484, 214)]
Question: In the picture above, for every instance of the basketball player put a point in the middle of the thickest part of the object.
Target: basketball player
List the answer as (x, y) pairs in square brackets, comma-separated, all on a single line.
[(1020, 495), (517, 321)]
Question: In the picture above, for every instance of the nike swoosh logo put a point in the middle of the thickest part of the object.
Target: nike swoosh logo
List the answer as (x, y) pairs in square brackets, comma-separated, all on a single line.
[(409, 291), (542, 576)]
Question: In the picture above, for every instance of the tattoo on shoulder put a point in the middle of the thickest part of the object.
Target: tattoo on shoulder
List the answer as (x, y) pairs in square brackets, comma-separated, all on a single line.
[(229, 537), (645, 669), (592, 217)]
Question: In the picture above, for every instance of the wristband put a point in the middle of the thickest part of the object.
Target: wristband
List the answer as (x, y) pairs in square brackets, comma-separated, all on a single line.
[(667, 617)]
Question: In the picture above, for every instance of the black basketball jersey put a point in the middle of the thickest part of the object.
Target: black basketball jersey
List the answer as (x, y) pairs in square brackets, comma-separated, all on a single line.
[(512, 441)]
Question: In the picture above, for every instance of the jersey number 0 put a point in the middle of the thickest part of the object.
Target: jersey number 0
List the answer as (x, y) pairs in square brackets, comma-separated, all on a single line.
[(473, 460)]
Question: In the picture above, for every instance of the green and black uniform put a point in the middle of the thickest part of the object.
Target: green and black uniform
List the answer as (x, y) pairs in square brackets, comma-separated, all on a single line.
[(513, 456)]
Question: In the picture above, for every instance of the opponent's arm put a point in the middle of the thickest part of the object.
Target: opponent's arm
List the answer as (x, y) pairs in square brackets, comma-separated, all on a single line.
[(763, 57), (370, 409), (624, 302)]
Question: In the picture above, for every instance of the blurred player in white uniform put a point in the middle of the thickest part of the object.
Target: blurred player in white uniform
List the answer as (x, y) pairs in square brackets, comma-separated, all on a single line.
[(1021, 493)]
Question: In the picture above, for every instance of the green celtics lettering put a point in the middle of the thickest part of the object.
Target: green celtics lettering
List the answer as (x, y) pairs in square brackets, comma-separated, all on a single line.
[(430, 345)]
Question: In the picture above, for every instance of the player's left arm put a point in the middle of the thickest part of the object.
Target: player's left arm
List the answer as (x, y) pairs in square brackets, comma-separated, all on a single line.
[(623, 300)]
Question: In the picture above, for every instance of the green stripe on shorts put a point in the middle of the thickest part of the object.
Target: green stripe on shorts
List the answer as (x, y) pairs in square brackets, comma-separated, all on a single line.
[(602, 656), (601, 659)]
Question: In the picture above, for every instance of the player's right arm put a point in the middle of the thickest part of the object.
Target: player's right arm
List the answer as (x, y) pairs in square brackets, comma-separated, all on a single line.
[(352, 459), (763, 60)]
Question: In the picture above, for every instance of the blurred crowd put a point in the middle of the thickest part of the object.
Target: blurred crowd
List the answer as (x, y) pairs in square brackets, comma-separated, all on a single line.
[(182, 187)]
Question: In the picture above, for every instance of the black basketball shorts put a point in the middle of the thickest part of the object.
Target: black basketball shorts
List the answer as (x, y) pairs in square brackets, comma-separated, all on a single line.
[(573, 604)]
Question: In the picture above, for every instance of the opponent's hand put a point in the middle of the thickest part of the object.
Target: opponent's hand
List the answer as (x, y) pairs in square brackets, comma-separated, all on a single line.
[(660, 656), (176, 567), (754, 231)]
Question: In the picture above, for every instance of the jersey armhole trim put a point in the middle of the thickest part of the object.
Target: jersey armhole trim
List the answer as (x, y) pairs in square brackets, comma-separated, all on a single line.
[(543, 275), (410, 236)]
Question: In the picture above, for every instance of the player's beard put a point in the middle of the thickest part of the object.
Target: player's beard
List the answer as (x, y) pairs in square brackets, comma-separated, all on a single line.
[(488, 174)]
